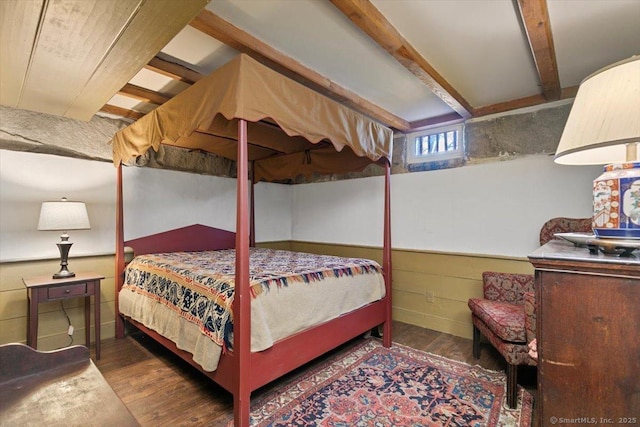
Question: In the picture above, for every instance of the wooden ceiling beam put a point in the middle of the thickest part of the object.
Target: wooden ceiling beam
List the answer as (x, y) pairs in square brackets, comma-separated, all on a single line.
[(528, 101), (432, 121), (514, 104), (142, 94), (173, 70), (214, 26), (373, 23), (569, 92), (535, 18), (122, 112)]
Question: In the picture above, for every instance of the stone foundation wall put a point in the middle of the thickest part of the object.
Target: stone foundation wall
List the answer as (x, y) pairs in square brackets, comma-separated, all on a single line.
[(498, 138)]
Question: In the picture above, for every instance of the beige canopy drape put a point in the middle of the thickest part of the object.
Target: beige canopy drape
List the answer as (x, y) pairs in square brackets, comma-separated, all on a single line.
[(286, 129), (293, 130)]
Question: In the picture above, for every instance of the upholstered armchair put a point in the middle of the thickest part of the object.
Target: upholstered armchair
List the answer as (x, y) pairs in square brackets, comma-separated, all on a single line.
[(500, 317), (506, 314), (530, 323), (563, 225)]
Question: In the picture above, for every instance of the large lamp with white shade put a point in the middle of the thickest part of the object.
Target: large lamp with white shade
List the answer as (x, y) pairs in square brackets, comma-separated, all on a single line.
[(604, 128), (63, 215)]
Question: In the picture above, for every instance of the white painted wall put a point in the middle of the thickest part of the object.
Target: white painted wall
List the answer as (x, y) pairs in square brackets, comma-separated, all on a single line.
[(348, 212), (159, 200), (492, 208), (28, 179), (155, 200)]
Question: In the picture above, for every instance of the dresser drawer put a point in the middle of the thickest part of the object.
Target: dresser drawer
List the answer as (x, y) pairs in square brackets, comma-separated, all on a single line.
[(78, 289)]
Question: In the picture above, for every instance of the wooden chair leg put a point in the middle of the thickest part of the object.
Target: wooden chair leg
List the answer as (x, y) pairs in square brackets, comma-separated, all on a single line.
[(512, 386), (476, 342)]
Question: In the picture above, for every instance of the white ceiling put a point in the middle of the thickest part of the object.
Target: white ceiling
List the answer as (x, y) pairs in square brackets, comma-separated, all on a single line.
[(479, 47)]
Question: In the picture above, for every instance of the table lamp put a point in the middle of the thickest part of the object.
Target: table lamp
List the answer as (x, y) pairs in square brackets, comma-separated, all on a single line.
[(604, 128), (63, 215)]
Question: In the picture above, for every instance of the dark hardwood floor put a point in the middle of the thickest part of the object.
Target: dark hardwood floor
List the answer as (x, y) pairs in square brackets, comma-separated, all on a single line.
[(162, 390)]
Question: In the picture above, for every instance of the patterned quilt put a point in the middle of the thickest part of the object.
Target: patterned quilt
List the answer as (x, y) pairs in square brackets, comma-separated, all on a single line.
[(199, 286)]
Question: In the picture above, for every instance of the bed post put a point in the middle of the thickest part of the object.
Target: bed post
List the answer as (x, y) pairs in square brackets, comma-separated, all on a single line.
[(386, 255), (252, 215), (242, 298), (119, 278)]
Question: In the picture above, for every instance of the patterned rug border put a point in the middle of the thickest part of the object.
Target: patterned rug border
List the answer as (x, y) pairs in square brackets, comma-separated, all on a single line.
[(315, 377)]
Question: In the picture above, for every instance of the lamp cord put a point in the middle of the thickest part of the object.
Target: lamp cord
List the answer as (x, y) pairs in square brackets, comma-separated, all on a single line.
[(68, 321)]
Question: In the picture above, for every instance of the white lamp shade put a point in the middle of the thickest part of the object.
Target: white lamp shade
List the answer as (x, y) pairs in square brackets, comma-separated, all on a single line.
[(604, 118), (63, 215)]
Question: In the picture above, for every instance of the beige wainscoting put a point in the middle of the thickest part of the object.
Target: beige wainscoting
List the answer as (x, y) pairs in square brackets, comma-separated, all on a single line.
[(430, 289), (52, 323)]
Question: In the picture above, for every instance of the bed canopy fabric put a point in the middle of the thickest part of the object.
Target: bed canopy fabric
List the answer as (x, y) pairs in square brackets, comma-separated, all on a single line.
[(293, 130), (245, 111)]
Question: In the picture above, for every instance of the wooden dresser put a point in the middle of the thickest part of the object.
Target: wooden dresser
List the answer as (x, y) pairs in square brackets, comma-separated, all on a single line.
[(588, 332)]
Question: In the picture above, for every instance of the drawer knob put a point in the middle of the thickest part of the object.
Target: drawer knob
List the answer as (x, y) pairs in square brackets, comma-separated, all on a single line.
[(67, 291)]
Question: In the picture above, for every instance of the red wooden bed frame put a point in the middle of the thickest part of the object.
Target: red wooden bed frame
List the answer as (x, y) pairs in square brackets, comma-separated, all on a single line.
[(240, 371)]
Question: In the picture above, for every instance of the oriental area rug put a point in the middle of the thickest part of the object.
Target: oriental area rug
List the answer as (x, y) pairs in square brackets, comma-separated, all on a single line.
[(375, 386)]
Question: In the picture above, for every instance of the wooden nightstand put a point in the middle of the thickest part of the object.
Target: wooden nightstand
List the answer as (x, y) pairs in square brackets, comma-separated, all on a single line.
[(45, 289)]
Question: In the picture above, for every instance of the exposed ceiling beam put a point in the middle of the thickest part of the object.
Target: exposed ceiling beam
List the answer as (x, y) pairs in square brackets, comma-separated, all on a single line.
[(166, 68), (173, 70), (142, 94), (184, 74), (514, 104), (569, 92), (232, 36), (122, 112), (535, 18), (369, 19), (528, 101), (432, 121)]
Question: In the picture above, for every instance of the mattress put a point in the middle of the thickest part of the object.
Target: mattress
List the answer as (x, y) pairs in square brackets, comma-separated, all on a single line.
[(187, 296)]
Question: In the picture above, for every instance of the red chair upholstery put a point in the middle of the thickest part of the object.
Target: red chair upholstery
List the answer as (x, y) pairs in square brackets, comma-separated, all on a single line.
[(500, 317), (505, 315), (530, 324), (563, 225)]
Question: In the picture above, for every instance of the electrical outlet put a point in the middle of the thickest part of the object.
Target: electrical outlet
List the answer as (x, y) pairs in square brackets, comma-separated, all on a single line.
[(70, 331), (430, 296)]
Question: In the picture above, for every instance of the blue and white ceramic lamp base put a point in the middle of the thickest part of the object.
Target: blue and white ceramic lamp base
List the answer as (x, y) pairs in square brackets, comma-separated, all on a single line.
[(616, 202)]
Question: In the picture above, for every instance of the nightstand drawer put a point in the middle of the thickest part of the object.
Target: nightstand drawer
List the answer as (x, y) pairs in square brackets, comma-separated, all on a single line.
[(78, 289)]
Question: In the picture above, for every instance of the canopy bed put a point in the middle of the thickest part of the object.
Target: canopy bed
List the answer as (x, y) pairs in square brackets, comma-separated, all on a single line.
[(249, 113)]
